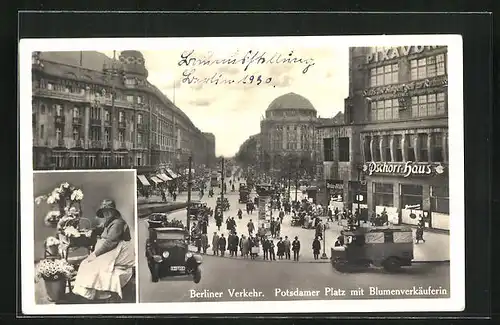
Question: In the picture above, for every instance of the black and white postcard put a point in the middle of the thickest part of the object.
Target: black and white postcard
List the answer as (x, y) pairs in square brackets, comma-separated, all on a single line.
[(322, 174)]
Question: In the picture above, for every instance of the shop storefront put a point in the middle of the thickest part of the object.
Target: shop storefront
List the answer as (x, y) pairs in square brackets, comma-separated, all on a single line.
[(409, 190)]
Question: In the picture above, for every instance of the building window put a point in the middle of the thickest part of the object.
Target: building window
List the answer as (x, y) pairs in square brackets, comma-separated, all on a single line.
[(139, 139), (139, 119), (121, 116), (384, 110), (58, 160), (428, 67), (367, 150), (76, 134), (437, 147), (58, 135), (344, 149), (42, 131), (42, 109), (440, 201), (398, 154), (76, 112), (385, 75), (386, 149), (130, 98), (106, 135), (105, 160), (138, 161), (328, 149), (140, 99), (383, 194), (50, 86), (428, 105), (76, 161), (121, 135), (130, 81), (106, 115), (58, 109), (95, 113), (411, 195), (422, 146), (376, 148), (95, 133), (91, 161), (410, 152)]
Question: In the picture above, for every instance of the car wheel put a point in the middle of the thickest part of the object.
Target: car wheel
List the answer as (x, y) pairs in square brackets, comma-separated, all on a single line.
[(197, 275), (392, 264), (155, 273)]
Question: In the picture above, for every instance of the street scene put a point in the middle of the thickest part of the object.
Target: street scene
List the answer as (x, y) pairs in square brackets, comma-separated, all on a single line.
[(431, 259), (251, 184)]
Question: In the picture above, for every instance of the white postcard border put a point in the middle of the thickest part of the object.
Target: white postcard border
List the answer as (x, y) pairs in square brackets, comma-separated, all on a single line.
[(456, 302)]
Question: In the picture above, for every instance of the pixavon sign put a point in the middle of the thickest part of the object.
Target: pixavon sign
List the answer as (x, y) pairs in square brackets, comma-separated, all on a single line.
[(395, 52), (405, 169)]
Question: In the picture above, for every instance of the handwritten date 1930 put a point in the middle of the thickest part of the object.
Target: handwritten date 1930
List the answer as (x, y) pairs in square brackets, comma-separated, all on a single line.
[(249, 79)]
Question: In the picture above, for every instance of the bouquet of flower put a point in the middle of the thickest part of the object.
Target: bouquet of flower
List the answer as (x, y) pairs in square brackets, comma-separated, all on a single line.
[(52, 270), (65, 191)]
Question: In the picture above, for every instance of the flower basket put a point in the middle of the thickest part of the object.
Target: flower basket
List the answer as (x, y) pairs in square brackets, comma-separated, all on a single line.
[(55, 289), (55, 273)]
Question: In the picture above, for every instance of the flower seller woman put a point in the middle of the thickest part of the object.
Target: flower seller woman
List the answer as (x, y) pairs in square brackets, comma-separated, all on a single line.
[(103, 274)]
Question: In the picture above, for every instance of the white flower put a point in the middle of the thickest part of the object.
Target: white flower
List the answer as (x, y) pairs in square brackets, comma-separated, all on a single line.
[(71, 232), (57, 190), (65, 185), (39, 199), (51, 241), (51, 199), (77, 195)]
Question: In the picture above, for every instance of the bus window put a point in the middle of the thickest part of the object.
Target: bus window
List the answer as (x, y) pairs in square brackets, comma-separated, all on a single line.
[(388, 237)]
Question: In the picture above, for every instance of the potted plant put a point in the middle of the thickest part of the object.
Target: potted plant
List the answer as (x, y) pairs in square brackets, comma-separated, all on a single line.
[(55, 273), (64, 197)]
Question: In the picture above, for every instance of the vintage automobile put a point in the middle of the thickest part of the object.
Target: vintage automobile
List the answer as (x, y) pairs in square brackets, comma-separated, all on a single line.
[(244, 195), (157, 220), (196, 207), (360, 248), (167, 254)]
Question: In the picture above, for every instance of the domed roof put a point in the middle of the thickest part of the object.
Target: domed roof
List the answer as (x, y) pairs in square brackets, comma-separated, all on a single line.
[(133, 53), (291, 101)]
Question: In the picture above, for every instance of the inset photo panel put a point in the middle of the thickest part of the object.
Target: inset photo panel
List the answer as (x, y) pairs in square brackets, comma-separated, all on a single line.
[(84, 237)]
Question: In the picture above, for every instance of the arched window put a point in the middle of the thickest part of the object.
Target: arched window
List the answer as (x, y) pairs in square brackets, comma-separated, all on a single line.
[(106, 115), (139, 118), (76, 112)]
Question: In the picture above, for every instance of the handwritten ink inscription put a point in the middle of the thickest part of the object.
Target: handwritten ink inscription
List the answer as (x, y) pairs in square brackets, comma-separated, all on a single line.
[(192, 62)]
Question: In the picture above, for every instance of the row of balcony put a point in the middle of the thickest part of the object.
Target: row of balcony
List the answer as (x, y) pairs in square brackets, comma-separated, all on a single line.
[(78, 121), (83, 98), (87, 144)]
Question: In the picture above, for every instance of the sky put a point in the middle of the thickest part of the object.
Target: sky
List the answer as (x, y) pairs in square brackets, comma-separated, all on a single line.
[(233, 111)]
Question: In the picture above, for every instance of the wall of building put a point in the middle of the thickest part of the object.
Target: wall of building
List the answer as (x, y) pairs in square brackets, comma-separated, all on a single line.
[(152, 131)]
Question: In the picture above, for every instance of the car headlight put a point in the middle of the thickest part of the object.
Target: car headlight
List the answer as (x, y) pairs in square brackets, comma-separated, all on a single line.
[(165, 254), (189, 255)]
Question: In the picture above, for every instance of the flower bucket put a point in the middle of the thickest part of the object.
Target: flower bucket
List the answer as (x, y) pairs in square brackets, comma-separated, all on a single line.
[(55, 289)]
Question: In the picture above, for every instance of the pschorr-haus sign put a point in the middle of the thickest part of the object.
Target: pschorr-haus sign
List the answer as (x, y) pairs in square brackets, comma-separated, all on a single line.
[(405, 169)]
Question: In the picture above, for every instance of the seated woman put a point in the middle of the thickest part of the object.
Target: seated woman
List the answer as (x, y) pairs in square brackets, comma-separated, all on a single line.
[(109, 268)]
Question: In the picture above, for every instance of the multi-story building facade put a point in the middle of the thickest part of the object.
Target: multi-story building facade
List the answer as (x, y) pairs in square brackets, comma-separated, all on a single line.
[(288, 130), (90, 111), (392, 151)]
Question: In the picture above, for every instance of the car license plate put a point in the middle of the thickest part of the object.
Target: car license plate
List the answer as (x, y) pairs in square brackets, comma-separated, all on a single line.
[(177, 268)]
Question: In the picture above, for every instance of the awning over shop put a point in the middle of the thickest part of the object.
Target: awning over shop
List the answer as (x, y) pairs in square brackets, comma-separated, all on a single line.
[(163, 177), (143, 180), (172, 174), (156, 179)]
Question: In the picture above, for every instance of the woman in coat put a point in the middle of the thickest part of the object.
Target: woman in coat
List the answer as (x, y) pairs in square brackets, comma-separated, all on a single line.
[(281, 249), (245, 246), (103, 274)]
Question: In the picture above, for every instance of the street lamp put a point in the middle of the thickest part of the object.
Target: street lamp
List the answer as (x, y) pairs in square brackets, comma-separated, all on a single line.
[(359, 196), (189, 185), (323, 256)]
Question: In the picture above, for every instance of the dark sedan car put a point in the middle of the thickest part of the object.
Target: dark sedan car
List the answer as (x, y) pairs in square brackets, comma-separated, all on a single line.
[(167, 254)]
